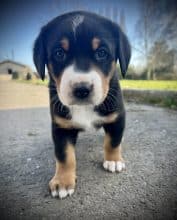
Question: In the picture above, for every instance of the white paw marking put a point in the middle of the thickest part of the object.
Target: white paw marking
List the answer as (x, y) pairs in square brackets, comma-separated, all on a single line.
[(70, 192), (113, 166), (62, 193), (54, 193)]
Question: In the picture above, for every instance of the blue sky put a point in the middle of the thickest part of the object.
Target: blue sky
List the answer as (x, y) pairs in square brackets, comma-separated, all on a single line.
[(20, 21)]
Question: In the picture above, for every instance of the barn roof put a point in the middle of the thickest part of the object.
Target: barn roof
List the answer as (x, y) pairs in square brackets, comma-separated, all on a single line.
[(13, 62)]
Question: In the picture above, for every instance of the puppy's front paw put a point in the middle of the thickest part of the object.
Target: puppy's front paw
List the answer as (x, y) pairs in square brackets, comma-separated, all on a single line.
[(114, 166), (60, 188)]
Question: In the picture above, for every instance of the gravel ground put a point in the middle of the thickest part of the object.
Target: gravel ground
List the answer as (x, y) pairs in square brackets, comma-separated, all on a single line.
[(146, 190)]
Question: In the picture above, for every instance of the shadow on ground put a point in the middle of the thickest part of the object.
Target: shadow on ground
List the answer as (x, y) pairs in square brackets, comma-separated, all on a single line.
[(146, 190)]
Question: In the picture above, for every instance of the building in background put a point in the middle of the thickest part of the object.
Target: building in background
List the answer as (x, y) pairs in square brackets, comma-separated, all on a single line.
[(9, 66)]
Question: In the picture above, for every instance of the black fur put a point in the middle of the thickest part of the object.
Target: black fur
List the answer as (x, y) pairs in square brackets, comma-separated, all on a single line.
[(116, 129), (93, 25), (61, 138), (113, 40)]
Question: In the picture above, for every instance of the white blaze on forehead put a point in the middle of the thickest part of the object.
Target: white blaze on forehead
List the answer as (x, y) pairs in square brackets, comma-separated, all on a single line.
[(71, 76), (76, 21)]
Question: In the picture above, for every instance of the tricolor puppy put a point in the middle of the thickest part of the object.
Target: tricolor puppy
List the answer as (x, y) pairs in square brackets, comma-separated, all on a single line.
[(80, 50)]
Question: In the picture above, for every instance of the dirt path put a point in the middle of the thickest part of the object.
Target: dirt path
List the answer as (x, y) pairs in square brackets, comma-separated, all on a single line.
[(14, 95)]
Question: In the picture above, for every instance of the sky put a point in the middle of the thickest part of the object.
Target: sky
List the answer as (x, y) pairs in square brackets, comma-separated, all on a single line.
[(21, 21)]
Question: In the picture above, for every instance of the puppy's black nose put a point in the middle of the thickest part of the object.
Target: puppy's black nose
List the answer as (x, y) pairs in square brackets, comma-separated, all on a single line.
[(82, 90)]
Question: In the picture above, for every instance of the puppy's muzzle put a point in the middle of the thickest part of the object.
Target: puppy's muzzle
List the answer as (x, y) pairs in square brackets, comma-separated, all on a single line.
[(82, 91)]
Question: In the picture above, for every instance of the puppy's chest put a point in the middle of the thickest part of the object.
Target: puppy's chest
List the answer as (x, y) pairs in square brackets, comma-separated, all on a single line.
[(84, 116)]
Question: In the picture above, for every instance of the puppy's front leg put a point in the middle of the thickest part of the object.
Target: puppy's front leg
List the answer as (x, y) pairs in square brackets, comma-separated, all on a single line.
[(63, 182), (113, 160)]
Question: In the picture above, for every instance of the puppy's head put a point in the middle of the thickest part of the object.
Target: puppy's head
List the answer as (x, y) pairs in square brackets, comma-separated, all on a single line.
[(80, 50)]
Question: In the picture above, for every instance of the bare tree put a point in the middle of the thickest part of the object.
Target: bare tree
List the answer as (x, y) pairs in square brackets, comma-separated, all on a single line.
[(144, 31), (162, 58), (122, 21), (157, 22), (115, 14)]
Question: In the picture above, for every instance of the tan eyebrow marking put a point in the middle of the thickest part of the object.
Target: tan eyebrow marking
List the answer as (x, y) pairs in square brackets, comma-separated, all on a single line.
[(95, 43), (65, 43)]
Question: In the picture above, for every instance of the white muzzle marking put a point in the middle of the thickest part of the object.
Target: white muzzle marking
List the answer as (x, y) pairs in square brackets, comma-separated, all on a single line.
[(71, 76)]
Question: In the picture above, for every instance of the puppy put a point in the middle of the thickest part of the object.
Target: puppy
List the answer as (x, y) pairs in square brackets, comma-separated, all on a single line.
[(80, 50)]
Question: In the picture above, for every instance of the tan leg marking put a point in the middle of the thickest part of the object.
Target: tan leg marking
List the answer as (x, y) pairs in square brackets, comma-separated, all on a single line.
[(113, 160), (111, 154), (63, 182)]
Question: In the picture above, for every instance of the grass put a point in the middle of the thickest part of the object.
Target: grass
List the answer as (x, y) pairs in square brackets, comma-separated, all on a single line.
[(129, 84), (149, 84), (168, 102), (35, 82)]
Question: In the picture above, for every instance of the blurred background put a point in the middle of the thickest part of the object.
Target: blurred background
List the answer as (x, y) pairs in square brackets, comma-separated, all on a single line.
[(151, 26)]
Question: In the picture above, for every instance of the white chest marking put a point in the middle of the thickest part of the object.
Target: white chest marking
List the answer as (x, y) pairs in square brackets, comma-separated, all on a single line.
[(84, 116)]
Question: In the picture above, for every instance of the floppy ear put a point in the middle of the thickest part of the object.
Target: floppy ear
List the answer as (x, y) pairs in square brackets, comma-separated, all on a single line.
[(123, 51), (39, 56)]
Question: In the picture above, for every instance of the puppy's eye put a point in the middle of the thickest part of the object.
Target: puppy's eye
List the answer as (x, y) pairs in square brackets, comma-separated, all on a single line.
[(60, 54), (101, 54)]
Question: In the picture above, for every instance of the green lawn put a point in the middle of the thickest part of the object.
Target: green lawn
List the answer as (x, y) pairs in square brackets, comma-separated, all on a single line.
[(149, 84), (137, 84), (35, 81), (130, 84)]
